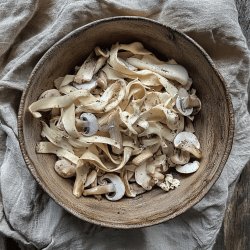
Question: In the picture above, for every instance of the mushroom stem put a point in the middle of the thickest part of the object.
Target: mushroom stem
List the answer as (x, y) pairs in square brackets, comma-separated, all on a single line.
[(81, 176), (80, 123), (101, 189), (191, 102)]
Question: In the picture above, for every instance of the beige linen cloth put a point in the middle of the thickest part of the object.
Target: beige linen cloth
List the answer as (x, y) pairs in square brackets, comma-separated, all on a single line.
[(28, 29)]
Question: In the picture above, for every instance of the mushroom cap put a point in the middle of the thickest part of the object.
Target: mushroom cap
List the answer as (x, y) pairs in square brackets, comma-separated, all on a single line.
[(86, 85), (188, 168), (187, 141), (119, 188), (65, 168), (182, 96), (92, 126), (142, 178)]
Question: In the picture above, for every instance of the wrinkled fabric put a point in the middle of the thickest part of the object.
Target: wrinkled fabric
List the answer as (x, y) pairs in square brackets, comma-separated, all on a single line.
[(27, 30)]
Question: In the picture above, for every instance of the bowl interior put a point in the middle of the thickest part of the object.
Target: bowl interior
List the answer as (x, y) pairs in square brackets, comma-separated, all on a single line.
[(213, 125)]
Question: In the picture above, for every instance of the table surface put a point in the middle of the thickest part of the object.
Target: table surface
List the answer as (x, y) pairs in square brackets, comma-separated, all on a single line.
[(235, 231)]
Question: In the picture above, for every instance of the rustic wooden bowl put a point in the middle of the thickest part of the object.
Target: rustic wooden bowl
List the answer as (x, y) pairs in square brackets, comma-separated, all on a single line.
[(214, 125)]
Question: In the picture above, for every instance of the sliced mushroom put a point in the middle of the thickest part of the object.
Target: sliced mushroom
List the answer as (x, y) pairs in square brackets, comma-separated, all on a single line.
[(188, 168), (186, 104), (111, 185), (49, 93), (128, 191), (86, 85), (92, 124), (187, 141), (65, 168), (180, 158), (115, 133), (81, 175), (137, 189), (90, 178), (181, 104), (142, 157), (86, 71), (94, 184), (142, 178)]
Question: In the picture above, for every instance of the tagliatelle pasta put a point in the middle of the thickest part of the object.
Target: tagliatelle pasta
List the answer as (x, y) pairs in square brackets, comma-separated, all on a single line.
[(122, 124)]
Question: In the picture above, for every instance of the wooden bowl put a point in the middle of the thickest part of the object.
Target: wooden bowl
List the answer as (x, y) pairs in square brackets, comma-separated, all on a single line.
[(214, 125)]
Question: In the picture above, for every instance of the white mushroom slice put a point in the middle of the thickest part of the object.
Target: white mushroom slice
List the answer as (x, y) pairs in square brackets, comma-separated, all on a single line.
[(128, 191), (100, 63), (67, 80), (110, 99), (163, 115), (68, 121), (149, 142), (152, 59), (181, 102), (90, 178), (187, 141), (180, 158), (108, 167), (115, 134), (49, 148), (86, 72), (86, 85), (186, 103), (56, 137), (188, 168), (58, 81), (92, 124), (81, 175), (110, 73), (142, 178), (65, 168), (142, 157), (105, 149), (85, 141), (55, 102), (67, 89), (160, 130), (102, 80), (97, 196), (111, 185), (49, 93), (130, 167), (137, 189), (172, 71), (155, 164)]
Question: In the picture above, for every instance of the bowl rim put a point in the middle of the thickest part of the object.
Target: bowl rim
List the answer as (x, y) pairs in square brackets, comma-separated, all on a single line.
[(146, 223)]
